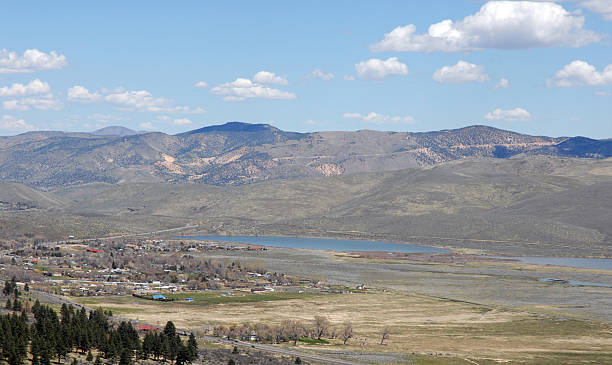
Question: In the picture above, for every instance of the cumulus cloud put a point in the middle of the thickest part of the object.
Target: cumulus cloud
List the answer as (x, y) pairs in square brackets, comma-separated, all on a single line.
[(81, 94), (461, 73), (318, 74), (376, 118), (182, 121), (147, 126), (32, 88), (242, 89), (511, 115), (502, 84), (602, 93), (265, 77), (603, 7), (12, 124), (499, 25), (349, 77), (201, 84), (377, 69), (31, 60), (44, 102), (143, 101), (581, 73)]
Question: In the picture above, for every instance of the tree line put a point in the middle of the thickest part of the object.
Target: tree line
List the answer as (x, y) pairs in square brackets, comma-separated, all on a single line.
[(288, 331), (51, 336)]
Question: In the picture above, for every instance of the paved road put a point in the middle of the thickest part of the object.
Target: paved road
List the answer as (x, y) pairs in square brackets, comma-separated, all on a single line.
[(56, 299)]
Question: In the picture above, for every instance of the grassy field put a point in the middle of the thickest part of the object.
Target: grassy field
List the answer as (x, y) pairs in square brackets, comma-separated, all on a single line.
[(124, 304), (454, 331)]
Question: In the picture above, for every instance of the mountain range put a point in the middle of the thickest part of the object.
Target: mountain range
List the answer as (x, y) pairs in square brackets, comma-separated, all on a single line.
[(239, 153)]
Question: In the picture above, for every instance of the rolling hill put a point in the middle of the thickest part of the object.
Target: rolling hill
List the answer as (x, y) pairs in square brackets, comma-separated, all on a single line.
[(532, 205)]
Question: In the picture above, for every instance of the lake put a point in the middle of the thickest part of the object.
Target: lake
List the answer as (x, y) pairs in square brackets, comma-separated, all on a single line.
[(585, 263), (320, 243), (362, 245)]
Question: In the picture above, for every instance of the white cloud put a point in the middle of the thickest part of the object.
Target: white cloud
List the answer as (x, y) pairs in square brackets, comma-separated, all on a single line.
[(377, 69), (82, 94), (265, 77), (107, 118), (318, 74), (581, 73), (10, 123), (461, 73), (376, 118), (602, 93), (31, 60), (32, 88), (201, 84), (182, 121), (143, 101), (147, 126), (242, 89), (503, 84), (349, 77), (498, 24), (603, 7), (512, 115), (44, 102)]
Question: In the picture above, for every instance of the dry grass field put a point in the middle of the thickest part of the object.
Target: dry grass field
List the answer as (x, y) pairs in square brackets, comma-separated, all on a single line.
[(457, 332)]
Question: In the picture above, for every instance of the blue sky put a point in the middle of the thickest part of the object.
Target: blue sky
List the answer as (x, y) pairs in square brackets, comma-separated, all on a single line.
[(327, 65)]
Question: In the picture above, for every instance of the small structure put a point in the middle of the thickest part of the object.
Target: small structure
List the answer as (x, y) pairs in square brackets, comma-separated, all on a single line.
[(159, 297), (146, 328), (189, 299)]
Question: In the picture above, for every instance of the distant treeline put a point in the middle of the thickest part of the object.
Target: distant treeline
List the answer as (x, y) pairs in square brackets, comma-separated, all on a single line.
[(50, 336)]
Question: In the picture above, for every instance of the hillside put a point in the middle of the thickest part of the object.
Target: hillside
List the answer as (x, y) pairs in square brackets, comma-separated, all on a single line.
[(535, 205), (20, 197), (239, 153)]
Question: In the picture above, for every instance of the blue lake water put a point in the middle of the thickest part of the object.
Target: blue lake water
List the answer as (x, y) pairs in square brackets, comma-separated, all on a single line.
[(359, 245), (585, 263), (321, 243)]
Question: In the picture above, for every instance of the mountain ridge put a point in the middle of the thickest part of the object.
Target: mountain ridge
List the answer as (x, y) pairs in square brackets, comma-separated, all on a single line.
[(239, 153)]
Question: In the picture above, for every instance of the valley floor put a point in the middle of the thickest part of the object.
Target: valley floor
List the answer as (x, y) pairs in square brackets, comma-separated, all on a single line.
[(475, 313)]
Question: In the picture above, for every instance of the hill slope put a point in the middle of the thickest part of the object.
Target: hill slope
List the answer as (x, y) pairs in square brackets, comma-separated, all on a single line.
[(538, 205)]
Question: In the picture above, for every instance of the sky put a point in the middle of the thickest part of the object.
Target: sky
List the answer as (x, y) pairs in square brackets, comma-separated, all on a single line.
[(542, 68)]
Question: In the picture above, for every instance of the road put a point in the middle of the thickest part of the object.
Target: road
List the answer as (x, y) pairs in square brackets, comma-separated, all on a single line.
[(126, 235), (281, 351), (58, 300)]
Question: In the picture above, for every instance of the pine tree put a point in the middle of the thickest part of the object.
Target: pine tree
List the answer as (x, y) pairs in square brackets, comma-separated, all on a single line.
[(75, 361), (126, 357), (192, 347), (89, 357), (98, 360)]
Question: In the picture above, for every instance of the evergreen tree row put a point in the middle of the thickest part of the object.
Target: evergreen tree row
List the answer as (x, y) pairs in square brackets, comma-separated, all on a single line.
[(75, 331)]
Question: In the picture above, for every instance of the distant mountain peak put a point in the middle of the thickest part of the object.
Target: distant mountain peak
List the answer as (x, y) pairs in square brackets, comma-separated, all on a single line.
[(115, 130), (235, 127)]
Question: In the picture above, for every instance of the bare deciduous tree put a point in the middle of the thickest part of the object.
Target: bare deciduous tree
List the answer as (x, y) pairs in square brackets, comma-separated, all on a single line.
[(321, 326), (347, 331), (293, 329), (384, 334)]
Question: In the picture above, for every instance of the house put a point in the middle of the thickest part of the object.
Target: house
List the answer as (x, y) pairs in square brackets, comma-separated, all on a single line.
[(146, 327)]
